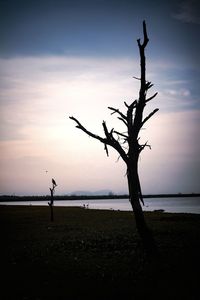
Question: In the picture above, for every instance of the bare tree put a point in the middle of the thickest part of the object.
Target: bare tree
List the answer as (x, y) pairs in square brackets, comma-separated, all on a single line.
[(51, 203), (134, 121)]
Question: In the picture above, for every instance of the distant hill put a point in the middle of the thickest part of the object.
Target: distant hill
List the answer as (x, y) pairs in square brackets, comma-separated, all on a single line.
[(94, 193)]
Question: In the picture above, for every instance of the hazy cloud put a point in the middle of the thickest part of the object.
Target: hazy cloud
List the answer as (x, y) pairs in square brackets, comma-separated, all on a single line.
[(189, 12)]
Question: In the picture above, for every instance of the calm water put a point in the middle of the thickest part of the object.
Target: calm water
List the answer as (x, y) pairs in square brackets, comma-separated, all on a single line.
[(177, 205)]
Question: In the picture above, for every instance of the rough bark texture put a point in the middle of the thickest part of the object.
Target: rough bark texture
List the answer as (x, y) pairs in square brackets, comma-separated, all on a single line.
[(134, 121)]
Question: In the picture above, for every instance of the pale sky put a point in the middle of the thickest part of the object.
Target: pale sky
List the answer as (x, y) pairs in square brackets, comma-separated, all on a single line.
[(62, 58)]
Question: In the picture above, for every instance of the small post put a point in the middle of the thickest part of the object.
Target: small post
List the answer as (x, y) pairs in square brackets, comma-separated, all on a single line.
[(52, 190)]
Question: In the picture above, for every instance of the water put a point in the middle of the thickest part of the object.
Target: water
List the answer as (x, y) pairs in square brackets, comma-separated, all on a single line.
[(173, 205)]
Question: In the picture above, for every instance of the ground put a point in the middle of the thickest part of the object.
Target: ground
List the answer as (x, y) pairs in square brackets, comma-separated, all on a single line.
[(96, 254)]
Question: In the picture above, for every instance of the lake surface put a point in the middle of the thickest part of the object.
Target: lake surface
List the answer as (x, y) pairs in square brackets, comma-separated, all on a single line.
[(174, 205)]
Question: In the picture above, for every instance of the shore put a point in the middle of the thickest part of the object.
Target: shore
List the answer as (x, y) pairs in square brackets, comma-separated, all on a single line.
[(11, 198), (96, 254)]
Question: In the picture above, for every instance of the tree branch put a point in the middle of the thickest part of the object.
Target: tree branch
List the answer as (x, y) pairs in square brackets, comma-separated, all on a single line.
[(144, 85), (123, 121), (149, 116), (121, 134), (106, 149), (109, 140), (148, 85), (130, 117), (80, 126), (150, 98), (115, 110), (137, 78), (141, 147), (145, 34), (146, 39), (126, 104)]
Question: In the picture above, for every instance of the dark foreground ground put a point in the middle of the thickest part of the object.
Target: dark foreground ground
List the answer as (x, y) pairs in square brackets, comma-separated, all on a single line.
[(95, 254)]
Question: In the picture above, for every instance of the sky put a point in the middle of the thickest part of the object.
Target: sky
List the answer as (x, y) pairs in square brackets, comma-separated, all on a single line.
[(75, 58)]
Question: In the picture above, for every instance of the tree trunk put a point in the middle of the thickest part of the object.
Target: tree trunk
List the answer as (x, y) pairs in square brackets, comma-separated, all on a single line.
[(51, 206), (52, 218), (134, 194)]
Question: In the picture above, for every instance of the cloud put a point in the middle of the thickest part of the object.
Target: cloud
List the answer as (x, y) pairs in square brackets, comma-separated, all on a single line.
[(36, 93), (188, 12), (37, 96)]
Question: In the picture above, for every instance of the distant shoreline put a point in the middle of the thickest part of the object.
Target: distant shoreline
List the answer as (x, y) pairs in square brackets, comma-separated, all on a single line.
[(8, 198)]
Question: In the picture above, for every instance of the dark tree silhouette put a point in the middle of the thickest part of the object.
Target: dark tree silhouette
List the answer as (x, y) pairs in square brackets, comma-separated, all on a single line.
[(52, 191), (134, 121)]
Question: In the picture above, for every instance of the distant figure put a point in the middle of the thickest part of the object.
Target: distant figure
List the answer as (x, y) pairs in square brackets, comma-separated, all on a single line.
[(54, 183)]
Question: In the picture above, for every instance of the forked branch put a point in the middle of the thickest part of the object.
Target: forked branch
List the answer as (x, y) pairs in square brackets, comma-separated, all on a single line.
[(109, 140), (80, 126)]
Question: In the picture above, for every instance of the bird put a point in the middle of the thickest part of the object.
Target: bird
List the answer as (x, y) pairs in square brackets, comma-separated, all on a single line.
[(53, 181)]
